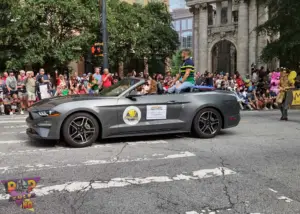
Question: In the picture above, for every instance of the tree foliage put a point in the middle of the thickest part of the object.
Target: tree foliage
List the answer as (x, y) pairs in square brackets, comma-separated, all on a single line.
[(140, 31), (46, 32), (55, 32), (284, 20)]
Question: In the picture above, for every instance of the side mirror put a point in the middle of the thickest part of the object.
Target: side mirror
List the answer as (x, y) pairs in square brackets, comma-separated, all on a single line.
[(132, 95)]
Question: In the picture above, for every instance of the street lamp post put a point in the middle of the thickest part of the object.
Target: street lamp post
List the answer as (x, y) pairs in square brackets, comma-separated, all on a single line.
[(104, 35)]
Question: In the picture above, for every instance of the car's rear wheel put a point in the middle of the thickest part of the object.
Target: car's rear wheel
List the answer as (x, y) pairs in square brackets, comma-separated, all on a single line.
[(207, 123), (80, 130)]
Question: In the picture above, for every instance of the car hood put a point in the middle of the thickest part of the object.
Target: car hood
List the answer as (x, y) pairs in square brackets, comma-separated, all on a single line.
[(50, 103)]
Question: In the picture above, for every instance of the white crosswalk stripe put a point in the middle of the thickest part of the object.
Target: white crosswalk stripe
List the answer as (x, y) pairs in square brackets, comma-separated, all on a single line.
[(12, 121), (14, 117), (40, 166), (96, 146), (13, 141), (209, 212), (14, 127), (127, 181)]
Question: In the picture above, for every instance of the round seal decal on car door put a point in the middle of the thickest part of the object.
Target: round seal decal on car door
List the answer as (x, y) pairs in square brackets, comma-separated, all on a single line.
[(132, 115)]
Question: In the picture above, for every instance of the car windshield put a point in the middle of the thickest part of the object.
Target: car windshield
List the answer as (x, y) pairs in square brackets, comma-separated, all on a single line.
[(118, 88)]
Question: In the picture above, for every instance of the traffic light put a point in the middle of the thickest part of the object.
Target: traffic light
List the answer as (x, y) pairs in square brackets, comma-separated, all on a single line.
[(97, 49)]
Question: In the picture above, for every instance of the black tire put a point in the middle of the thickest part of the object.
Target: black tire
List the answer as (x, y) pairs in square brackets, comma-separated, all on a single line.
[(207, 123), (80, 130)]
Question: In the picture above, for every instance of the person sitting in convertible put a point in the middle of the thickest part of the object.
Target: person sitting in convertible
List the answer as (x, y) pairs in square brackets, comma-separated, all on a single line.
[(185, 78)]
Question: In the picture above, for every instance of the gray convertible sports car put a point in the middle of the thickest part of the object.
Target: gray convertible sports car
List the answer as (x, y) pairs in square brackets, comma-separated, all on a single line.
[(120, 111)]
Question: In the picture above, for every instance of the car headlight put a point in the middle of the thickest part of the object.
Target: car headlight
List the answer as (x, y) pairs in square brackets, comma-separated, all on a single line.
[(48, 113)]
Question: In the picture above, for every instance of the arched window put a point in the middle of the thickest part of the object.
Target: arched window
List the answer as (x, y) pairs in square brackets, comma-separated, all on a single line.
[(186, 39)]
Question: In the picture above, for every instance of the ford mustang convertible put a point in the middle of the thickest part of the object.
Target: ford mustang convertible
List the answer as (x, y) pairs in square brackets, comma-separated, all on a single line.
[(121, 111)]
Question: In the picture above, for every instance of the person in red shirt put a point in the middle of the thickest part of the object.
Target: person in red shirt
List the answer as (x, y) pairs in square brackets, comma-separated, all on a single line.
[(106, 79), (239, 81)]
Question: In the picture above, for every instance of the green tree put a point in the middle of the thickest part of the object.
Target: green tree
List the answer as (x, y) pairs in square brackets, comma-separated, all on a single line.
[(284, 19), (162, 39), (44, 32), (7, 40), (140, 32), (54, 32)]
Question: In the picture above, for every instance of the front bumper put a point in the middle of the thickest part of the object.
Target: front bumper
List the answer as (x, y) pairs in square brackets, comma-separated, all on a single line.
[(232, 121), (42, 127)]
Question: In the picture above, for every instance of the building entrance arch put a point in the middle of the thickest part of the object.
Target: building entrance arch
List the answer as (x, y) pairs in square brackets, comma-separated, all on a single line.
[(224, 57)]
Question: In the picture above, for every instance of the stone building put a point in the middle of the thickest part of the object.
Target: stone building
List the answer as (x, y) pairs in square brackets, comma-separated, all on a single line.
[(224, 36)]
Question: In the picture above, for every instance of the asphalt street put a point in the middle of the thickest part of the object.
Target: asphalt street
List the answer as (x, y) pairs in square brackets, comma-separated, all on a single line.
[(253, 168)]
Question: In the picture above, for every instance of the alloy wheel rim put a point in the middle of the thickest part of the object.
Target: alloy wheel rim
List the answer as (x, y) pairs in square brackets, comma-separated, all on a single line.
[(81, 130), (208, 122)]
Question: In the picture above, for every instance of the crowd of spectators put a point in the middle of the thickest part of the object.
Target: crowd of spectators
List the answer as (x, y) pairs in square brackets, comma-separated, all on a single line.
[(20, 90), (257, 91)]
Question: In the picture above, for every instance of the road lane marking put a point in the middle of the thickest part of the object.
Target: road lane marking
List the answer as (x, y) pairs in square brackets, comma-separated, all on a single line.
[(13, 117), (12, 121), (147, 142), (57, 149), (272, 190), (13, 127), (286, 199), (30, 151), (38, 167), (123, 182), (13, 141), (12, 133)]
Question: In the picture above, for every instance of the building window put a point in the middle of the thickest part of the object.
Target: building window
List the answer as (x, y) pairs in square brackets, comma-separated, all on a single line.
[(177, 25), (183, 24), (235, 16), (186, 39), (190, 24)]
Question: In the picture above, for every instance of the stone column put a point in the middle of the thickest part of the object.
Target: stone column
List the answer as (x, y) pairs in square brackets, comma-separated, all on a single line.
[(146, 66), (195, 11), (229, 12), (203, 42), (243, 36), (252, 33), (262, 38), (275, 61), (218, 13)]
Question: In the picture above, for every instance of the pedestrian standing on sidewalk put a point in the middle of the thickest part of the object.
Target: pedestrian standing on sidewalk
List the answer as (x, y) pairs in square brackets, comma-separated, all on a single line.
[(31, 88), (22, 90), (106, 79), (2, 86), (98, 77), (11, 83)]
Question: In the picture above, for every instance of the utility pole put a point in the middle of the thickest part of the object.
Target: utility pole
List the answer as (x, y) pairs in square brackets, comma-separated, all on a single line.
[(104, 34)]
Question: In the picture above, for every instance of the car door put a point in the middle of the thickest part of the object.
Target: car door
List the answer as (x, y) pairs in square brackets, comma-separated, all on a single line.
[(149, 113)]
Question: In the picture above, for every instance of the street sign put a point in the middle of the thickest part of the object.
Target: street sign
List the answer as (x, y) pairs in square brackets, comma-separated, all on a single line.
[(296, 98)]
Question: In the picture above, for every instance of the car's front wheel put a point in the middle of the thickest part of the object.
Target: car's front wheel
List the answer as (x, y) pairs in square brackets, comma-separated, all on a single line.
[(207, 123), (80, 130)]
